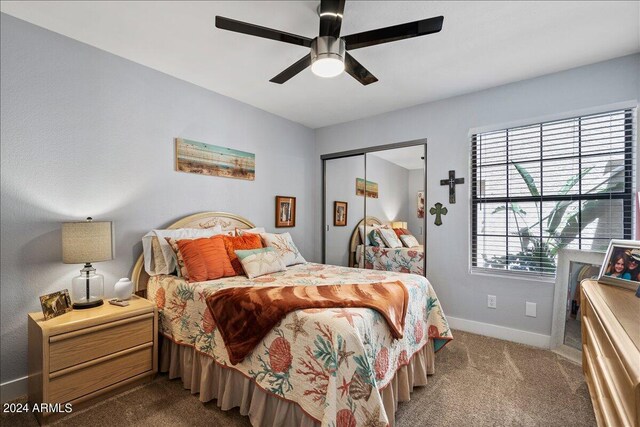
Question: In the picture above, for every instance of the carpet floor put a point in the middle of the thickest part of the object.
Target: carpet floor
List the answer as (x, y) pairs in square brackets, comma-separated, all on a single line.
[(479, 381)]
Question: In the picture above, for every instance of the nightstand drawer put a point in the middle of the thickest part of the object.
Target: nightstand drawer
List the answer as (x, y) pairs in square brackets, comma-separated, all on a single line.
[(76, 347), (73, 383)]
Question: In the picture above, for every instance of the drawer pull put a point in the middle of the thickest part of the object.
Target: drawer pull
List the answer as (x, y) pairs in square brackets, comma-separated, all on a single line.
[(97, 328), (99, 360)]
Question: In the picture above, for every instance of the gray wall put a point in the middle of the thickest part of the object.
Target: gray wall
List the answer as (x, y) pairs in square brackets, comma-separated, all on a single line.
[(446, 124), (87, 133), (392, 202)]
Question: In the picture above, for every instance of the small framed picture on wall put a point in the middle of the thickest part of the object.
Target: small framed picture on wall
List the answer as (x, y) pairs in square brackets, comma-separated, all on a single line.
[(339, 214), (285, 211)]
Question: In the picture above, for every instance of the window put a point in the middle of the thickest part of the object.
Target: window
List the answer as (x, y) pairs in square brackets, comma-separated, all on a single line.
[(539, 188)]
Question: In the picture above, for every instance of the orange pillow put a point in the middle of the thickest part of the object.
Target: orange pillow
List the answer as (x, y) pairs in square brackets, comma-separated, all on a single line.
[(205, 258), (401, 231), (246, 241)]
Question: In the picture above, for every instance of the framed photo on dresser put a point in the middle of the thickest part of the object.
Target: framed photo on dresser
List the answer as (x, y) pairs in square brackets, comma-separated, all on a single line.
[(621, 266), (285, 211)]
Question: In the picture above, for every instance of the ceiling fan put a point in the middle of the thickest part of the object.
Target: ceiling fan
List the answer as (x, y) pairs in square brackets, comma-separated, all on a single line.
[(329, 54)]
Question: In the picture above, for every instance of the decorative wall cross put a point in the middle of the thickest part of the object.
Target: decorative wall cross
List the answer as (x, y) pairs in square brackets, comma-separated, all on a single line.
[(451, 182), (438, 210)]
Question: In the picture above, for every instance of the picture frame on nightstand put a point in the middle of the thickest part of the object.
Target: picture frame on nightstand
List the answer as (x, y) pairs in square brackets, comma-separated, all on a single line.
[(55, 304)]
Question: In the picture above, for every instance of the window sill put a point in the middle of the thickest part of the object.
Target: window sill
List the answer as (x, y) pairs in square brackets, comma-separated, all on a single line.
[(512, 275)]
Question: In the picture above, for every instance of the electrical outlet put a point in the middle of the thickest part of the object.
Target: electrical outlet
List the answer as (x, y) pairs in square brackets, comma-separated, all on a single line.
[(491, 301), (530, 309)]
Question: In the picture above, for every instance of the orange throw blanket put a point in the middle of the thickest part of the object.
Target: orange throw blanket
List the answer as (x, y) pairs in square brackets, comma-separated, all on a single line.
[(245, 315)]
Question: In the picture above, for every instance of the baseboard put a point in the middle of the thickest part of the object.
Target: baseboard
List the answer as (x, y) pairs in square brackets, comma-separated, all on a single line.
[(13, 389), (500, 332)]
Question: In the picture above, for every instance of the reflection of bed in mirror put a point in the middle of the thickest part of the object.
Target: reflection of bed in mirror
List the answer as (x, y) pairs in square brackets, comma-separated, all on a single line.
[(366, 254)]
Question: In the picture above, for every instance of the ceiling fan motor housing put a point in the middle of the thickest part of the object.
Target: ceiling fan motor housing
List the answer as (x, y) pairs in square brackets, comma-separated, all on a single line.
[(327, 47)]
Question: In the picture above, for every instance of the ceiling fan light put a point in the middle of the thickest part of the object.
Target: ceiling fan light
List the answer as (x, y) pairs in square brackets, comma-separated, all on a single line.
[(327, 56), (327, 67)]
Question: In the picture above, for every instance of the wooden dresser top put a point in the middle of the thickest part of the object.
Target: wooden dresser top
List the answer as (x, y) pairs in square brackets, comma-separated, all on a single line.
[(623, 303)]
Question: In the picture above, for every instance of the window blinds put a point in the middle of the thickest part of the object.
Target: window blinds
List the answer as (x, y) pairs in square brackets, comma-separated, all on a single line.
[(539, 188)]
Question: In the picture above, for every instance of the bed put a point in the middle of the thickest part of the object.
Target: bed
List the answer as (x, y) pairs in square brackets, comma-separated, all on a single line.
[(326, 367), (403, 260)]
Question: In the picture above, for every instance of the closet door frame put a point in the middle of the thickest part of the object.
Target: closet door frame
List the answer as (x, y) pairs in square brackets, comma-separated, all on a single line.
[(363, 152)]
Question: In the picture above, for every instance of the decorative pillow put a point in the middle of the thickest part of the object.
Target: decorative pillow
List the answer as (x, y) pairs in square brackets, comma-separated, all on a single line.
[(258, 262), (202, 259), (389, 237), (167, 251), (159, 264), (375, 240), (232, 244), (409, 241), (364, 240), (284, 246), (401, 231), (243, 231)]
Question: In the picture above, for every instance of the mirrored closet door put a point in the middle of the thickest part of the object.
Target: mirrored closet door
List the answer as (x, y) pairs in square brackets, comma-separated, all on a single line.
[(343, 207), (381, 193)]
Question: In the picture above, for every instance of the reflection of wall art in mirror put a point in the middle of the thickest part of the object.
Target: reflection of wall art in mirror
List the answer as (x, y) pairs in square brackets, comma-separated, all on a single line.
[(420, 204), (621, 266), (372, 188), (573, 267), (285, 211), (55, 304), (205, 159), (339, 214)]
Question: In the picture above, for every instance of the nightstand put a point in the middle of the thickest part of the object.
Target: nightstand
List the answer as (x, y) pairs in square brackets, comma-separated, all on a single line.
[(84, 354)]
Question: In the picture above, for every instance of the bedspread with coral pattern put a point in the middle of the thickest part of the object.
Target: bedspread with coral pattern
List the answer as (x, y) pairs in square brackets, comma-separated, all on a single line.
[(403, 260), (332, 362)]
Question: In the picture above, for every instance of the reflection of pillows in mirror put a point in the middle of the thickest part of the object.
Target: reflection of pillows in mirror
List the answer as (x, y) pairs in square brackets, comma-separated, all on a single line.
[(389, 237), (401, 231), (284, 246), (362, 236), (243, 231), (409, 241), (232, 244), (170, 264), (258, 262), (375, 239), (203, 258)]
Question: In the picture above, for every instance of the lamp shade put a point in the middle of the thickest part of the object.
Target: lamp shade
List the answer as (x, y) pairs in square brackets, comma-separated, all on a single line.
[(87, 241), (399, 224)]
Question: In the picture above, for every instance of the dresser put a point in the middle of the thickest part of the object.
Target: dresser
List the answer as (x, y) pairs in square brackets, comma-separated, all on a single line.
[(87, 354), (611, 352)]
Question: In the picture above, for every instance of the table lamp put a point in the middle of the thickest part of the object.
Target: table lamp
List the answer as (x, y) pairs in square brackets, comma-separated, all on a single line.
[(87, 242)]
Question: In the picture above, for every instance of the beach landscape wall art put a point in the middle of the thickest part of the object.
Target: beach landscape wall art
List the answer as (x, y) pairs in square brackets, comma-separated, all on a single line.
[(206, 159), (372, 188)]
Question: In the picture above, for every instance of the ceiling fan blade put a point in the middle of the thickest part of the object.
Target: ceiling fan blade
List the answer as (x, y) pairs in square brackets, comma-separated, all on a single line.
[(300, 65), (264, 32), (357, 71), (331, 17), (394, 33)]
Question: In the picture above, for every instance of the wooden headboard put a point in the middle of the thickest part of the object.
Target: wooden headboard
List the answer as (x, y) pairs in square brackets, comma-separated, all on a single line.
[(227, 221), (355, 237)]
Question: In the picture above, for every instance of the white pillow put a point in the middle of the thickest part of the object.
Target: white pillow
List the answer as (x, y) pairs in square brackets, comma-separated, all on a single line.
[(257, 230), (409, 241), (168, 253), (389, 237), (258, 262), (284, 246)]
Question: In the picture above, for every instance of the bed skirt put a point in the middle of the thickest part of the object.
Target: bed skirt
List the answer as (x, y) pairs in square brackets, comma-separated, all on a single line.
[(202, 375)]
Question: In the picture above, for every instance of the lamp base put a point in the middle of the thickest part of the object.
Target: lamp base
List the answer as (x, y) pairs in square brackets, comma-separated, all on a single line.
[(87, 304)]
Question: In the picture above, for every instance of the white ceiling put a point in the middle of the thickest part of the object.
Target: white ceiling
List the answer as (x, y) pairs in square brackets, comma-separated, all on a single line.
[(406, 157), (483, 44)]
